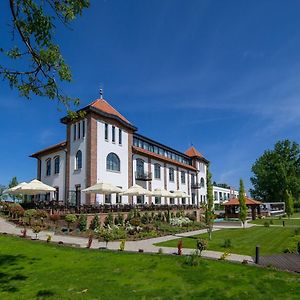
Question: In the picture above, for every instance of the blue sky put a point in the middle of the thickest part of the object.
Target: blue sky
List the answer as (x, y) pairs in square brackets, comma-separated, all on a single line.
[(222, 75)]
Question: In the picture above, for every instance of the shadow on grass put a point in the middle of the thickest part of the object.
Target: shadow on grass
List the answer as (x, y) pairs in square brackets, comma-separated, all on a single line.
[(43, 294), (7, 279)]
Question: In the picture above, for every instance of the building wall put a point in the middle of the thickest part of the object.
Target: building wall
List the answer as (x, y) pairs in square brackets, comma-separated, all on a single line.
[(222, 194), (54, 180), (104, 147), (77, 177)]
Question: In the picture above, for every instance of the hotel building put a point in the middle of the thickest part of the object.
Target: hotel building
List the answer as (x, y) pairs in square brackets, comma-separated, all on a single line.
[(104, 146)]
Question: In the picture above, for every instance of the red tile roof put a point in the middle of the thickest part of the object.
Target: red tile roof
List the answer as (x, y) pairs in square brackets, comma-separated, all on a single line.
[(163, 158), (104, 106), (50, 149), (235, 201), (193, 152)]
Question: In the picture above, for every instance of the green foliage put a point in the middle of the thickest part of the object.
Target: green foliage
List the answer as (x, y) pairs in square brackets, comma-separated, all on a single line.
[(201, 245), (109, 220), (37, 63), (30, 214), (70, 218), (82, 222), (289, 203), (242, 200), (227, 243), (276, 171), (36, 228), (209, 214), (122, 245), (95, 224), (266, 224), (192, 259), (224, 256), (12, 183)]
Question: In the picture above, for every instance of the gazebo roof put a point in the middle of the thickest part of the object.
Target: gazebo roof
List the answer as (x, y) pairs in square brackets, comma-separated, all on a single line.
[(235, 201)]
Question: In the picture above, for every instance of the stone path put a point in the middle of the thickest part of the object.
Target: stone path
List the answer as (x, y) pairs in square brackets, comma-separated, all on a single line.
[(133, 246)]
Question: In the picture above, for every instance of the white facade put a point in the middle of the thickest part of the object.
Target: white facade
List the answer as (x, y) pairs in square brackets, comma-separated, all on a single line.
[(55, 179), (223, 194), (120, 148), (77, 175), (117, 145)]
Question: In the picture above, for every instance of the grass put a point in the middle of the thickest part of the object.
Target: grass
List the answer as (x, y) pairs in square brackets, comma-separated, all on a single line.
[(34, 270), (271, 240), (277, 221)]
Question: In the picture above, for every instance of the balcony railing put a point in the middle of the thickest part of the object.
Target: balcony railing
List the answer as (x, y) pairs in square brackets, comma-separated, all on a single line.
[(196, 185), (143, 176)]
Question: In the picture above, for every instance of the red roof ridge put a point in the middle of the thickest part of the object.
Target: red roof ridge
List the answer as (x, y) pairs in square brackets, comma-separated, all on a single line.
[(193, 152), (104, 106), (236, 201), (61, 144)]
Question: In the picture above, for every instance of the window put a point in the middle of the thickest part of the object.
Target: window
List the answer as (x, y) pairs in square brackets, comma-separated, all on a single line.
[(157, 200), (202, 182), (107, 199), (83, 128), (182, 177), (193, 198), (56, 165), (140, 199), (78, 195), (171, 174), (172, 201), (140, 167), (56, 194), (112, 162), (183, 202), (74, 132), (216, 196), (120, 136), (157, 171), (193, 179), (78, 160), (48, 167), (106, 131), (118, 199), (113, 128), (78, 130)]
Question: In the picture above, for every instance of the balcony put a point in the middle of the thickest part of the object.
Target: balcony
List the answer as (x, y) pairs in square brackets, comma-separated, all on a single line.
[(196, 185), (143, 176)]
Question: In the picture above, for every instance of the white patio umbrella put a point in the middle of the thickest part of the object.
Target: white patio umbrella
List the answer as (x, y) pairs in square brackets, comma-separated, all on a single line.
[(102, 188), (34, 187), (136, 190), (13, 189), (162, 193), (180, 194)]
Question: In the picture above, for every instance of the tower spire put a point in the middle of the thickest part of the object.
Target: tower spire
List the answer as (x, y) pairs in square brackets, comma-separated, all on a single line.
[(101, 93)]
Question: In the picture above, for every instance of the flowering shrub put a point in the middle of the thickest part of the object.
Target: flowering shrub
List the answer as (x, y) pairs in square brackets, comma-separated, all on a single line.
[(180, 221)]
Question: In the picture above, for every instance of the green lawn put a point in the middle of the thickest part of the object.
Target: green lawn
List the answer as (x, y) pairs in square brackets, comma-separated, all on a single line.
[(277, 221), (33, 270), (271, 240)]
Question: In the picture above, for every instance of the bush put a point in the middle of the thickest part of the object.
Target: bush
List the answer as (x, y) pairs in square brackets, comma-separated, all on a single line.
[(201, 245), (29, 215), (54, 217), (82, 222), (192, 260), (122, 245), (227, 243), (266, 224), (95, 224), (70, 218), (271, 222), (109, 220), (293, 245), (297, 231), (135, 221)]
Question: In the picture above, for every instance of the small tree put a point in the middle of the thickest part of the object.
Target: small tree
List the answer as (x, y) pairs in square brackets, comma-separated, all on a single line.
[(70, 218), (82, 222), (54, 218), (36, 229), (29, 215), (209, 214), (95, 224), (289, 203), (242, 200), (106, 235), (201, 245), (12, 183)]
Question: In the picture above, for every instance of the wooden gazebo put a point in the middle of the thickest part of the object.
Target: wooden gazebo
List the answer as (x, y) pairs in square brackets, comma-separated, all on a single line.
[(232, 205)]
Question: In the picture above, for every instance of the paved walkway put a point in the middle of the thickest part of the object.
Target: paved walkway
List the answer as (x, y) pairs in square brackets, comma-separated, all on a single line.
[(134, 246)]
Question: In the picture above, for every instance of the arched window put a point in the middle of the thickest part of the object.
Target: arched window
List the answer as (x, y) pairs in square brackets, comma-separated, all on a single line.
[(113, 162), (48, 167), (202, 182), (157, 171), (56, 165), (78, 160)]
